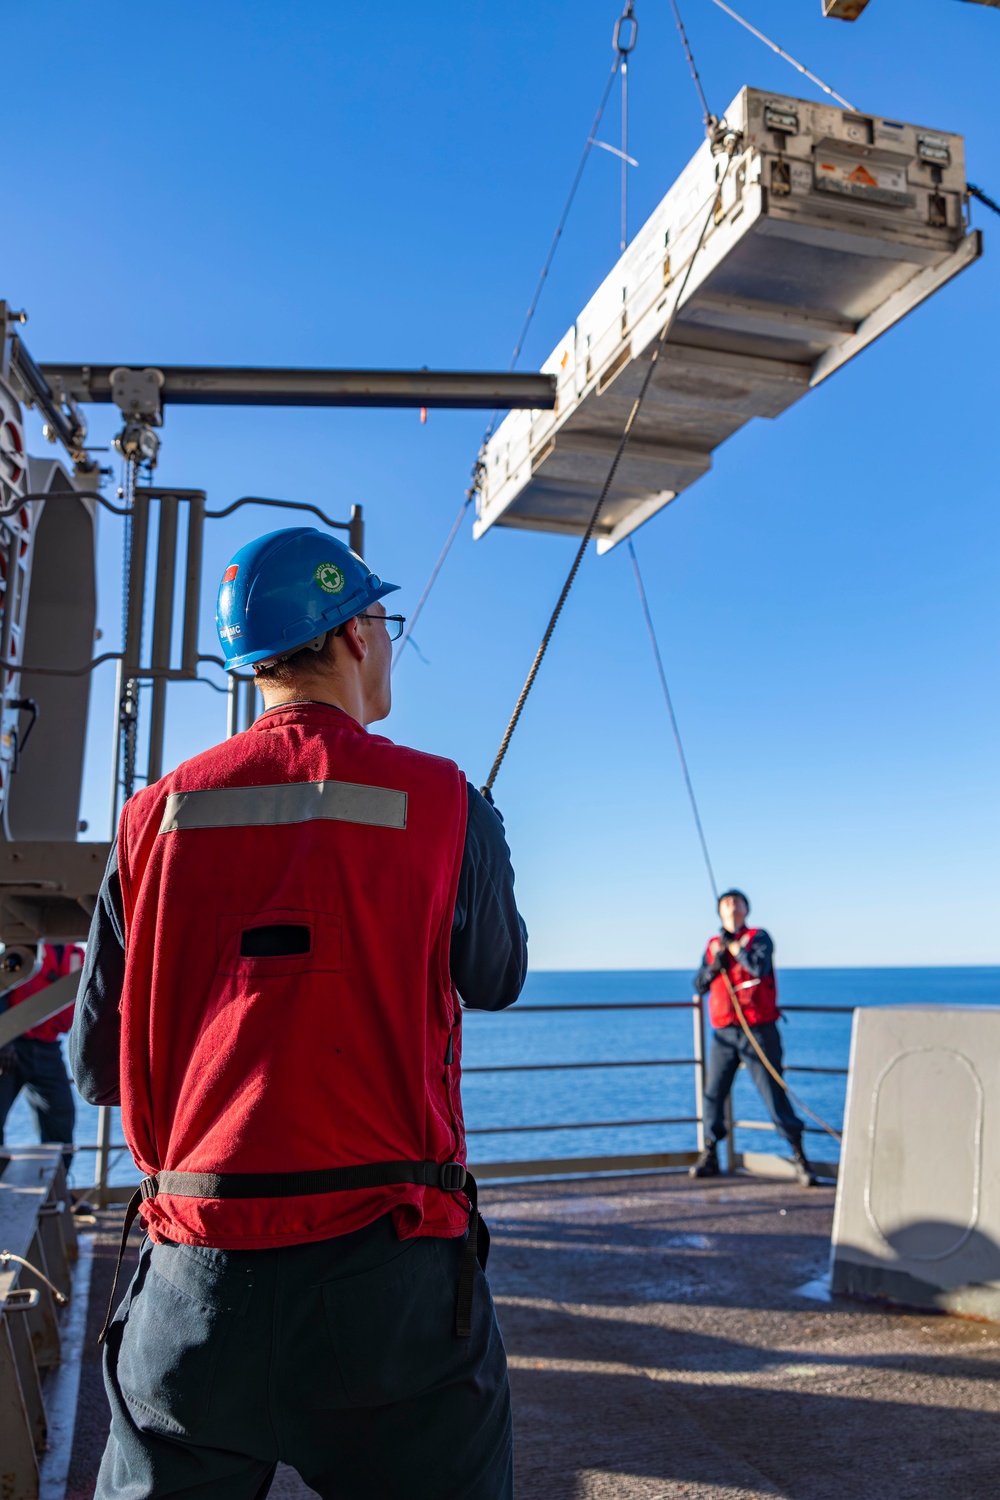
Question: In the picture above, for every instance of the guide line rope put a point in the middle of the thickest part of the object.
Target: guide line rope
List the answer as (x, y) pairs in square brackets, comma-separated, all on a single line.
[(620, 54), (799, 1104), (595, 516), (734, 998), (977, 192), (673, 721)]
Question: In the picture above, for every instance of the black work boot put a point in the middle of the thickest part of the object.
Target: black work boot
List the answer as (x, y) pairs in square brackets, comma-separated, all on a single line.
[(804, 1174), (707, 1164)]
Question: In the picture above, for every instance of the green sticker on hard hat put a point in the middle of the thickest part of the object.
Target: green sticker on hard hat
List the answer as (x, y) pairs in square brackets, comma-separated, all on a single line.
[(330, 578)]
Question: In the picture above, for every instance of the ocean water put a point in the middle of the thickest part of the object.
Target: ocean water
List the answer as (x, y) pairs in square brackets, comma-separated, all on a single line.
[(498, 1105)]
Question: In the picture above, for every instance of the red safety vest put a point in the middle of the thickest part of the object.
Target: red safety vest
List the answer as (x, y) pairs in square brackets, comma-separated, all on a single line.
[(288, 1005), (758, 997), (58, 960)]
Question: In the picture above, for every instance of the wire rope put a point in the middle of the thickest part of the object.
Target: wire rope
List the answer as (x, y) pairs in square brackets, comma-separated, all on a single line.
[(734, 998), (470, 494), (595, 516), (675, 728), (707, 114), (786, 55)]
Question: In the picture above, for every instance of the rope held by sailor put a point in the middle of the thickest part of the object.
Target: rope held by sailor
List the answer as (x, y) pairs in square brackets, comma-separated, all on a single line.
[(737, 1007)]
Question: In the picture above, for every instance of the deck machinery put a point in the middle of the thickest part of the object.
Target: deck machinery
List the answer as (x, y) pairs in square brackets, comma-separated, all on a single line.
[(827, 228)]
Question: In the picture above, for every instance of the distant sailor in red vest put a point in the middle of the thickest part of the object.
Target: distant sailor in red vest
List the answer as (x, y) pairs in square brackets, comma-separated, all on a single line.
[(273, 987), (741, 959), (34, 1061)]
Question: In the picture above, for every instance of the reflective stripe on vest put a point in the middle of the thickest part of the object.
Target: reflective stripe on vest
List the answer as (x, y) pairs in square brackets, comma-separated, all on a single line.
[(288, 1014), (294, 802)]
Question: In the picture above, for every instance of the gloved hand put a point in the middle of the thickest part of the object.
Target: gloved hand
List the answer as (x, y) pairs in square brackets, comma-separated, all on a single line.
[(485, 792), (8, 1059)]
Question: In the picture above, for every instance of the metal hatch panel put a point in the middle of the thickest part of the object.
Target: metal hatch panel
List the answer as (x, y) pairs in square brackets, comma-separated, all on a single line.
[(827, 231)]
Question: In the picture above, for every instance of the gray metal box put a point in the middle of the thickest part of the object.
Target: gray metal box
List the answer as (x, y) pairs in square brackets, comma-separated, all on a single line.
[(828, 228), (917, 1219)]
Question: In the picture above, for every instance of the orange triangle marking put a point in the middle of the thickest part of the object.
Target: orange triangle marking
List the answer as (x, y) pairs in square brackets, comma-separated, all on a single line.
[(862, 176)]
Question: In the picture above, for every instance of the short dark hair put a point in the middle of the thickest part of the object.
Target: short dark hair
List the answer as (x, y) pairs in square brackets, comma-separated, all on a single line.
[(734, 892), (299, 663)]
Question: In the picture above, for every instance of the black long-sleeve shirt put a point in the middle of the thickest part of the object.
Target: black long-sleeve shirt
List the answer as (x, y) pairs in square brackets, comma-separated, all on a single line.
[(489, 952), (757, 957)]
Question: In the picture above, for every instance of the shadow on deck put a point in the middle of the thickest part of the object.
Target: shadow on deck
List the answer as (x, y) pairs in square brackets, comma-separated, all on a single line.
[(671, 1338), (664, 1341)]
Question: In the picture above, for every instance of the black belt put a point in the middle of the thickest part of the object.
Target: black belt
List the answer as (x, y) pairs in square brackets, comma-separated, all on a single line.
[(449, 1176)]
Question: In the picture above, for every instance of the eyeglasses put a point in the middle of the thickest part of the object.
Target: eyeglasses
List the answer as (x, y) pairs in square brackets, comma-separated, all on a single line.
[(393, 624)]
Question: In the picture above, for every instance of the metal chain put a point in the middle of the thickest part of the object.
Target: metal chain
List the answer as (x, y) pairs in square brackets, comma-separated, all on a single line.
[(595, 517), (623, 48), (128, 707)]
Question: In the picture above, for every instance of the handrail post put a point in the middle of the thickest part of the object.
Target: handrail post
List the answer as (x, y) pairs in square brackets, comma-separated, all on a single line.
[(163, 625), (103, 1155), (732, 1156), (356, 531), (192, 584), (698, 1016)]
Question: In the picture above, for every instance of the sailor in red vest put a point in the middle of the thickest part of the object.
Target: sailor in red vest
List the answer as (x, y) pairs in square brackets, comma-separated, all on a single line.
[(741, 959), (34, 1060), (288, 929)]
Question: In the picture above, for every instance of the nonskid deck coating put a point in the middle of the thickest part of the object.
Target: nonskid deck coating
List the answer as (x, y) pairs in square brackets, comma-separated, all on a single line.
[(661, 1344)]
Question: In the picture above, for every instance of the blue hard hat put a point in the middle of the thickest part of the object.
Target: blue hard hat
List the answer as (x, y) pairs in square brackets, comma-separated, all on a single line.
[(287, 588)]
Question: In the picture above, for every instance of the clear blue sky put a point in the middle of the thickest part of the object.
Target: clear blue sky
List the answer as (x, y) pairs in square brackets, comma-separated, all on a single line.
[(334, 184)]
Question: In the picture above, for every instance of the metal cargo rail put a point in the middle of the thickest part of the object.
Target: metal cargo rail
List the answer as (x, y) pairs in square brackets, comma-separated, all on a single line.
[(108, 1149)]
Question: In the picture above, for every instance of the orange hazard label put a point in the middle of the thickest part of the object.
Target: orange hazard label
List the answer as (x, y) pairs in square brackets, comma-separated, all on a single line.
[(862, 177)]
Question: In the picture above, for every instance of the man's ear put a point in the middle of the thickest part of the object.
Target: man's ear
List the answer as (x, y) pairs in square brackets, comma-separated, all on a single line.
[(354, 638)]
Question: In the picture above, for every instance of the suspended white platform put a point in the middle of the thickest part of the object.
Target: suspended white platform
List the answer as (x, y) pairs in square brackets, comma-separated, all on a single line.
[(829, 228)]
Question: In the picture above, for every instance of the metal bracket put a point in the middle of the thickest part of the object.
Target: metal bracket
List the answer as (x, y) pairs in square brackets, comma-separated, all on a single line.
[(21, 1299), (137, 394)]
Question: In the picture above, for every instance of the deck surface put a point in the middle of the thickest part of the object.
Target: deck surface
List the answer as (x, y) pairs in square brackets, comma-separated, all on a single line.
[(661, 1345)]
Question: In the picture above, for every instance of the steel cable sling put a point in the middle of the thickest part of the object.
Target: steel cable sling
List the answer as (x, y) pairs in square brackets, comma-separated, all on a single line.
[(595, 516), (470, 494)]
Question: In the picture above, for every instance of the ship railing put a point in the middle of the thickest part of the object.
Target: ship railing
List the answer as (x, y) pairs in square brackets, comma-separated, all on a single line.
[(107, 1150)]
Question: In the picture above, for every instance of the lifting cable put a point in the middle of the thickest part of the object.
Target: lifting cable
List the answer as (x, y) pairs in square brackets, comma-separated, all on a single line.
[(621, 53), (786, 55), (734, 998), (706, 113), (658, 348)]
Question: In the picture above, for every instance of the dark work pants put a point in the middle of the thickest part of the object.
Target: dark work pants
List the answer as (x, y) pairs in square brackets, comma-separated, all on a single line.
[(41, 1072), (730, 1047), (338, 1358)]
